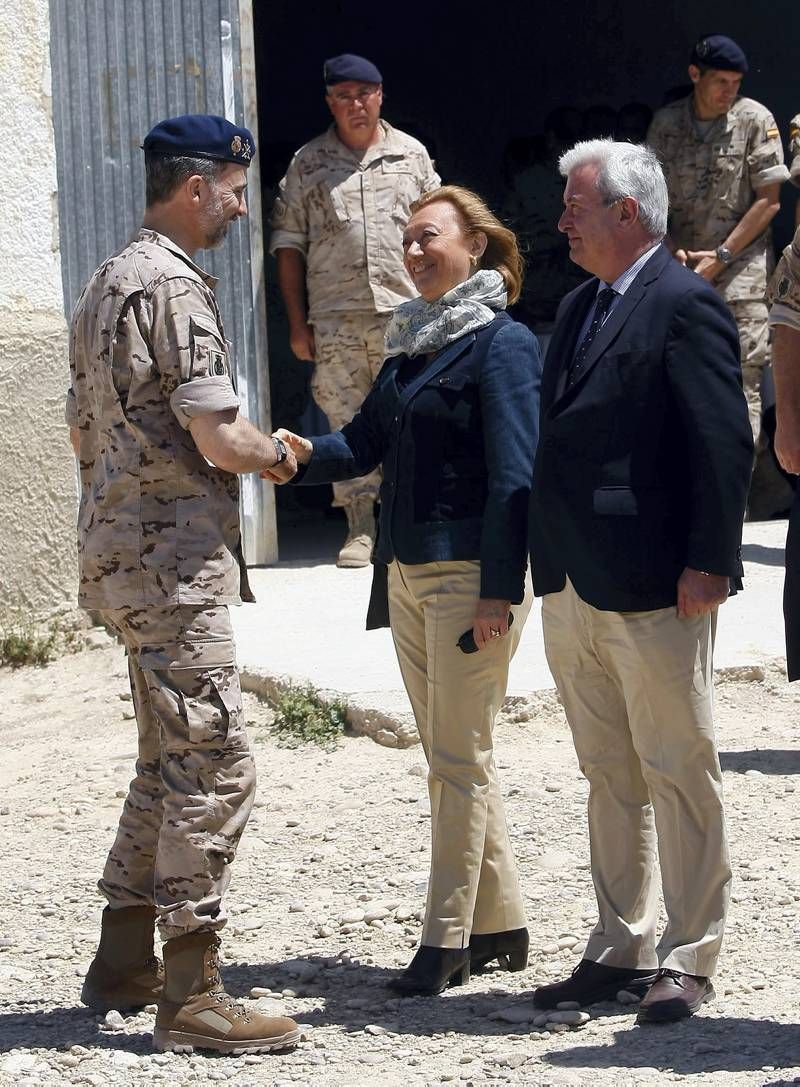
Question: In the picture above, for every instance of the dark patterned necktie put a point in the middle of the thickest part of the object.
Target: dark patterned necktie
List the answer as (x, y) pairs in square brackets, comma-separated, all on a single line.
[(601, 307)]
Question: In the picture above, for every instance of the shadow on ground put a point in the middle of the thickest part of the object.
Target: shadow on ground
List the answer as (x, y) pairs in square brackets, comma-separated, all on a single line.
[(767, 761), (765, 556), (699, 1044)]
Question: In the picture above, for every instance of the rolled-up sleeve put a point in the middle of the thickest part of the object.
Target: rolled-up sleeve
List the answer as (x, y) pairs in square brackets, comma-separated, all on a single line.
[(783, 292), (765, 158), (794, 150), (289, 214), (195, 367), (71, 408)]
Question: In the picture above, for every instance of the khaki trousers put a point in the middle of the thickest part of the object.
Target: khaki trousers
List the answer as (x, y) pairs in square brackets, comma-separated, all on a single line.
[(195, 777), (350, 352), (637, 691), (473, 885)]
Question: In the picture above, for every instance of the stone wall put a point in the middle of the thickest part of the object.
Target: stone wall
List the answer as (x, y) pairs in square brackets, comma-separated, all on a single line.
[(37, 482)]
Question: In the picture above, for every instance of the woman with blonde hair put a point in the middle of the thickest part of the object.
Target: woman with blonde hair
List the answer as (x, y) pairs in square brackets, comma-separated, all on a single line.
[(453, 419)]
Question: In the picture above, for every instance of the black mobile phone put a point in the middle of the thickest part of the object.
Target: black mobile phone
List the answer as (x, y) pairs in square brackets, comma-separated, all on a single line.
[(466, 643)]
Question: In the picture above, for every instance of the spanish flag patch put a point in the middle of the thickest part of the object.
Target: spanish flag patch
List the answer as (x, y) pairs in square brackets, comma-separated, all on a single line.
[(772, 133)]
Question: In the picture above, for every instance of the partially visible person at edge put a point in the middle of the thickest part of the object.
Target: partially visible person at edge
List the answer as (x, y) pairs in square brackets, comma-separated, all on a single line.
[(452, 418), (783, 296), (723, 161), (336, 227), (638, 498), (794, 160), (154, 421)]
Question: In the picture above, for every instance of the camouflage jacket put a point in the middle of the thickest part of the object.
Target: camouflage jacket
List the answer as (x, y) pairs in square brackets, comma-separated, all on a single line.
[(784, 288), (346, 215), (158, 524), (713, 179), (794, 149)]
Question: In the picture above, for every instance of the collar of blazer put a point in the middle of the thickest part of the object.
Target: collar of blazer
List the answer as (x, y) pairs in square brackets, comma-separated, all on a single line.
[(446, 357), (576, 312)]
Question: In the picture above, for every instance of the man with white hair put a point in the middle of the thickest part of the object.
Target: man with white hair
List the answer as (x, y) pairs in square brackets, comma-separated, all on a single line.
[(638, 498)]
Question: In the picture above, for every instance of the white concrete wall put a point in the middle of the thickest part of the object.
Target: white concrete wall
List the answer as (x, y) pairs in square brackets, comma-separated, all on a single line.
[(37, 473)]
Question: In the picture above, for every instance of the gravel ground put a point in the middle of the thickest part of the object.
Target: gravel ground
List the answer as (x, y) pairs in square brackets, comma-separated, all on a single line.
[(326, 897)]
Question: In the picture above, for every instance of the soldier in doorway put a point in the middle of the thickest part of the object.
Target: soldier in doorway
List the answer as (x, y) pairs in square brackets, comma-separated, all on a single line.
[(154, 421), (337, 232), (723, 160)]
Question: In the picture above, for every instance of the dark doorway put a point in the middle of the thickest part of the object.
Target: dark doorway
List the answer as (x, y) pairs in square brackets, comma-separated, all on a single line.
[(477, 83)]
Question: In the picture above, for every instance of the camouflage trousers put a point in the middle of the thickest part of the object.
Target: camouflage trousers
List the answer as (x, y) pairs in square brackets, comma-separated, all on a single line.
[(350, 352), (195, 777), (751, 321)]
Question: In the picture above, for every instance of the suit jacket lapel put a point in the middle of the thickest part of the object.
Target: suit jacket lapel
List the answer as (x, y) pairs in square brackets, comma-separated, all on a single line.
[(564, 342), (621, 312)]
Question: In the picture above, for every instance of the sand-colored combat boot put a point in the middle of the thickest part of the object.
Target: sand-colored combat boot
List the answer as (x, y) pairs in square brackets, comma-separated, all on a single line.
[(195, 1012), (357, 548), (125, 972)]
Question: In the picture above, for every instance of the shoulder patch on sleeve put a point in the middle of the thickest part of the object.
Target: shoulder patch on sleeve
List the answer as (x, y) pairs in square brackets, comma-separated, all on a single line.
[(772, 133)]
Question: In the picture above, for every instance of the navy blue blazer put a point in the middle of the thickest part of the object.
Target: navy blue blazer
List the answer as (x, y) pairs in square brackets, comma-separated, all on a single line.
[(457, 445), (644, 463)]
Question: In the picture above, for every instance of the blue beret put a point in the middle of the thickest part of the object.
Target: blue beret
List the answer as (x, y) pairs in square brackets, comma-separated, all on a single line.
[(719, 52), (201, 135), (349, 66)]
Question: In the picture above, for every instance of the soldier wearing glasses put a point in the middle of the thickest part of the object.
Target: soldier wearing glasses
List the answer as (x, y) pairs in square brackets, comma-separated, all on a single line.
[(337, 228)]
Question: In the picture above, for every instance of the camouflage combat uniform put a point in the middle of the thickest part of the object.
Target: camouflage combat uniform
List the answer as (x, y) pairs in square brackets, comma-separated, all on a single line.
[(160, 558), (713, 179), (794, 150), (783, 294), (346, 214)]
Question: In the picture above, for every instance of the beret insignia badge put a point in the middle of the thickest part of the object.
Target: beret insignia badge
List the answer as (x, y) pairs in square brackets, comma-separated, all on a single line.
[(703, 48), (241, 148)]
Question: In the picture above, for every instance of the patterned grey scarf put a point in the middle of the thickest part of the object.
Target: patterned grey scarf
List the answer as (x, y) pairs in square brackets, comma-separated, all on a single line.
[(418, 327)]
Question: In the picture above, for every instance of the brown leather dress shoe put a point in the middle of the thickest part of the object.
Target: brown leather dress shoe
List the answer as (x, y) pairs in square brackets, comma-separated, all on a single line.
[(674, 996)]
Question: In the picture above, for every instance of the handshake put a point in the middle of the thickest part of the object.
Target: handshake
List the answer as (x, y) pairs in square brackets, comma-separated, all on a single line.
[(298, 451)]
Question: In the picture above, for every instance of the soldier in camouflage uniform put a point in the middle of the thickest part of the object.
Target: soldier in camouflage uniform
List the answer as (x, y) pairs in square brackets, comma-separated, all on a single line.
[(723, 160), (794, 159), (153, 416), (783, 296), (337, 234)]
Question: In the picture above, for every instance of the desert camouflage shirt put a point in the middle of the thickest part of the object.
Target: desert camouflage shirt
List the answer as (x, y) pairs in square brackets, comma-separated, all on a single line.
[(346, 214), (713, 178), (158, 524), (784, 287), (794, 149)]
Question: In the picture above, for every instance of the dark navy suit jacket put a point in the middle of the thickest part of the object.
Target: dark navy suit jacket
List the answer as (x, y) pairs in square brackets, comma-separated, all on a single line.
[(644, 463), (457, 445)]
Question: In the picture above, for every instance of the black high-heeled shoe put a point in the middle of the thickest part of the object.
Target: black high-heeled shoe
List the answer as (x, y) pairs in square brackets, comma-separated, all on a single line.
[(432, 970), (509, 948)]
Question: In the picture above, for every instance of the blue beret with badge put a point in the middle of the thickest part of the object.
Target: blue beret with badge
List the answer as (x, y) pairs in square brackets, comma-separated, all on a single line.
[(719, 52), (201, 135), (350, 67)]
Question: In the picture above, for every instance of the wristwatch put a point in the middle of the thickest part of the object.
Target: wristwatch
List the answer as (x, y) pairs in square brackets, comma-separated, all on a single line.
[(724, 254), (280, 450)]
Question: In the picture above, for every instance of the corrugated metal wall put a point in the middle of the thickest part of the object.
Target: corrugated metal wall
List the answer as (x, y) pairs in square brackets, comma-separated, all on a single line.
[(119, 66)]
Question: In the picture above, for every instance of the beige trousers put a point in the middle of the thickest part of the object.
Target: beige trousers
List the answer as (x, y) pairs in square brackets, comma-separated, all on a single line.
[(637, 691), (350, 353), (473, 885)]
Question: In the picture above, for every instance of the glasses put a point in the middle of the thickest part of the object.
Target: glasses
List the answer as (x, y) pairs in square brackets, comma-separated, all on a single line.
[(361, 95)]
